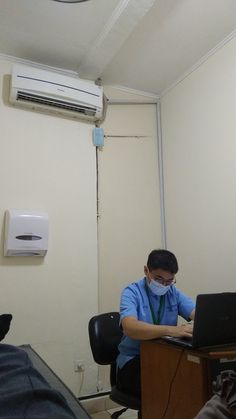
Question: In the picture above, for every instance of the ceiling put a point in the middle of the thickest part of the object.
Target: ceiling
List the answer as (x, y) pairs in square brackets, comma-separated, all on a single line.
[(145, 45)]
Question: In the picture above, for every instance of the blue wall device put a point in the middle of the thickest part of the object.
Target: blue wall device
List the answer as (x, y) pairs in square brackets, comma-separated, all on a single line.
[(98, 137)]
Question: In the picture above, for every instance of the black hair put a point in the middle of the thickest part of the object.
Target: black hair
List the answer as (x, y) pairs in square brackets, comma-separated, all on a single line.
[(162, 259)]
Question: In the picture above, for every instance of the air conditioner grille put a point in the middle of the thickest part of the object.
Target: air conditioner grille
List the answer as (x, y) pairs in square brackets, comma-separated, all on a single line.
[(54, 103)]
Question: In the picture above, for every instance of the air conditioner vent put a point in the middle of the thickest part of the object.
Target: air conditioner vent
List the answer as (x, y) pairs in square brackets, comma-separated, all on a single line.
[(28, 97)]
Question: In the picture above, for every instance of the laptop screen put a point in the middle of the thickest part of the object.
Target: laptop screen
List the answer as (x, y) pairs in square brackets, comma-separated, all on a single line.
[(215, 320)]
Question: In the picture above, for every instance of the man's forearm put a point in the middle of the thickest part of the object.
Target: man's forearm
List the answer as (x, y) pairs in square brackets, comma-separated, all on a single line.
[(143, 331), (136, 329)]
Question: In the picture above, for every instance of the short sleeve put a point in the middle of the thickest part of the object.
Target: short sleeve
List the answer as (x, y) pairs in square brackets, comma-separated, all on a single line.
[(129, 303), (185, 305)]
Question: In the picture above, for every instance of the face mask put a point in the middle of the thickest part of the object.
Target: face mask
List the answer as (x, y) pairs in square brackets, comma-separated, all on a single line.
[(158, 289)]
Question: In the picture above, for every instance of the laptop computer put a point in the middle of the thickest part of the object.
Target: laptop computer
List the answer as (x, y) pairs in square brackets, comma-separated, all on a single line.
[(214, 323)]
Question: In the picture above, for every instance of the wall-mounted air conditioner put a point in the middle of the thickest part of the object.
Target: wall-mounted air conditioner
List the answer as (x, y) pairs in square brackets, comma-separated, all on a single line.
[(52, 92)]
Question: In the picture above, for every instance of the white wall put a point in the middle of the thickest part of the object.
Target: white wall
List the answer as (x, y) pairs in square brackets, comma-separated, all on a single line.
[(48, 162), (129, 225), (199, 143)]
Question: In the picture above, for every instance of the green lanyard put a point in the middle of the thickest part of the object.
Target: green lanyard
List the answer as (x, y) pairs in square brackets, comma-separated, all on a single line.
[(160, 310)]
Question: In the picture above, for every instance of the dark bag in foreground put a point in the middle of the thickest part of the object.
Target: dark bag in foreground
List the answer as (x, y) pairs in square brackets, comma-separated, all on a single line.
[(222, 405)]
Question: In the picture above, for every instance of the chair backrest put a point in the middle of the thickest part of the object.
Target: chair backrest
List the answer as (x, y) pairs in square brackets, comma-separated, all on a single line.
[(105, 335)]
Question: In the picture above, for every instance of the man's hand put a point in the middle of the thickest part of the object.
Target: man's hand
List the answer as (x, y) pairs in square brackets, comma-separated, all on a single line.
[(185, 330)]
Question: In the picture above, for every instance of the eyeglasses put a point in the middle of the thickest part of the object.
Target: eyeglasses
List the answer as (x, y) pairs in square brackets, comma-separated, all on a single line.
[(164, 281)]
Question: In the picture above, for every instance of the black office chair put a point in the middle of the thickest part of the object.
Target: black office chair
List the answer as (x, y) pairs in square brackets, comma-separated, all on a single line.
[(105, 335)]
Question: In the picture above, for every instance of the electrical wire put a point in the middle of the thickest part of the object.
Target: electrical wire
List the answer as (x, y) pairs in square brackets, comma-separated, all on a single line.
[(81, 382), (98, 380), (172, 382)]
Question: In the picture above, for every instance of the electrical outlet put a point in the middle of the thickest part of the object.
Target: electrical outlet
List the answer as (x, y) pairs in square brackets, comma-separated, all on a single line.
[(79, 365)]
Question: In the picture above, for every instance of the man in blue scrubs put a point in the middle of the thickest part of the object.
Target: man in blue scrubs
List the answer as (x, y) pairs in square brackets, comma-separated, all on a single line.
[(149, 309)]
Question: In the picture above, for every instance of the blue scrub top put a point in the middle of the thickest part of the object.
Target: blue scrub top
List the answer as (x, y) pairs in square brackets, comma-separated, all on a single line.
[(134, 302)]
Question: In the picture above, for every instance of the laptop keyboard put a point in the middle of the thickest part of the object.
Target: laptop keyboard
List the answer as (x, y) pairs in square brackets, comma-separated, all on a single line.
[(184, 341)]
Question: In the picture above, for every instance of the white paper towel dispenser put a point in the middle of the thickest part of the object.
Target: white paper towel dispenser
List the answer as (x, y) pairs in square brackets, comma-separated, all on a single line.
[(26, 233)]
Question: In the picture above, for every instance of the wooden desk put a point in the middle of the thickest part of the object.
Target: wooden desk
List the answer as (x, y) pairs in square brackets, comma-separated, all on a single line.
[(176, 382)]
